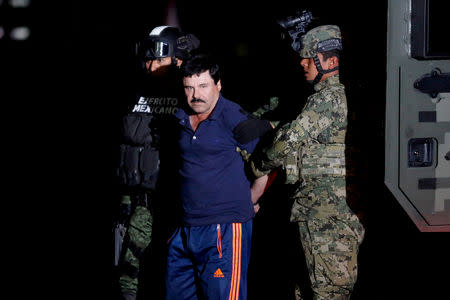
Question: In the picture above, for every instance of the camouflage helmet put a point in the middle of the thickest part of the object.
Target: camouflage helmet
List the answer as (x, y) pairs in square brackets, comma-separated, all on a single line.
[(320, 39)]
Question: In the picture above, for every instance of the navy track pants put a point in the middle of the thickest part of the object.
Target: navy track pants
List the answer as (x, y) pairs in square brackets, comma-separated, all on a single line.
[(209, 262)]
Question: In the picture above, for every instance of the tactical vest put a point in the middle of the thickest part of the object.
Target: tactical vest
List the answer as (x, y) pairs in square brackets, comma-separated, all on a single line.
[(146, 131), (315, 160), (139, 157)]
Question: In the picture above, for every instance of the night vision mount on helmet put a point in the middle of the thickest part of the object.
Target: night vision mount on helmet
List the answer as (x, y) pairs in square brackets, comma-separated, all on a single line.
[(166, 41), (296, 27), (319, 39)]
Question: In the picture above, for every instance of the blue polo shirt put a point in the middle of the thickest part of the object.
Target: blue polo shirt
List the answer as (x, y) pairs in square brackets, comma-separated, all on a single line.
[(214, 187)]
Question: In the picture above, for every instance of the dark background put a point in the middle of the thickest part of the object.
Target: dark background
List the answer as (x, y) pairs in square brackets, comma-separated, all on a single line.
[(65, 89)]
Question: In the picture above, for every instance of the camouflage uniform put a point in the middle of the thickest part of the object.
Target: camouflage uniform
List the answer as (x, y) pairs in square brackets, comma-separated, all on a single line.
[(311, 149), (139, 237), (273, 104)]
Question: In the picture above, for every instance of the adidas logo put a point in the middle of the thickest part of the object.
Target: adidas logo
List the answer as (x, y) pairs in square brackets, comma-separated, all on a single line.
[(218, 273)]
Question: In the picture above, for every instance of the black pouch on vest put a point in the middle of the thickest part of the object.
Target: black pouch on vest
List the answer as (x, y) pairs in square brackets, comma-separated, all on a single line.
[(120, 170), (131, 170), (149, 166), (136, 129), (139, 160), (138, 166)]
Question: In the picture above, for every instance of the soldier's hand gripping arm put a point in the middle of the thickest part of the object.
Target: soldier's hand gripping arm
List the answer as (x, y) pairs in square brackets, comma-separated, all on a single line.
[(314, 119), (287, 141), (249, 130)]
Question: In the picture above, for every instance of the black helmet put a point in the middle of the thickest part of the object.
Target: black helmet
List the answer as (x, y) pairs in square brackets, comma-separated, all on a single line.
[(166, 41)]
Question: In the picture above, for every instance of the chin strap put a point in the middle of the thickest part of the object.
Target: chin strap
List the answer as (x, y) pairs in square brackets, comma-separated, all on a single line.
[(321, 71)]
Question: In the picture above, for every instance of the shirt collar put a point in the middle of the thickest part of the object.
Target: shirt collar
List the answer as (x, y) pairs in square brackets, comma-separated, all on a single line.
[(218, 109), (332, 80)]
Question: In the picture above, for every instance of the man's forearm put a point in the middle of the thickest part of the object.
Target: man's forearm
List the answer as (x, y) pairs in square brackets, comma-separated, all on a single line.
[(258, 188)]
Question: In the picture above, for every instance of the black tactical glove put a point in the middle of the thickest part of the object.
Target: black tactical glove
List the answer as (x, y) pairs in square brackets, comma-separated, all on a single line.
[(251, 129)]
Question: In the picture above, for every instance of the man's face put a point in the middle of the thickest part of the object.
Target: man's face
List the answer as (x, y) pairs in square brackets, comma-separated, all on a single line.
[(158, 66), (310, 69), (201, 92)]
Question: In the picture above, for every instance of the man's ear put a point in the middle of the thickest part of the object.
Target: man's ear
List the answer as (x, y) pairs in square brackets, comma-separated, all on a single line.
[(219, 85), (333, 62), (178, 62)]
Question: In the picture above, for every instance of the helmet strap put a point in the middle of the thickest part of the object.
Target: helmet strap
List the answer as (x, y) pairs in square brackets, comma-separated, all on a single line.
[(321, 70)]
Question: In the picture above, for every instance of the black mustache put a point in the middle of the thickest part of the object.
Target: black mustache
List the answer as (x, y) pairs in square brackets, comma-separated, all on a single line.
[(194, 100)]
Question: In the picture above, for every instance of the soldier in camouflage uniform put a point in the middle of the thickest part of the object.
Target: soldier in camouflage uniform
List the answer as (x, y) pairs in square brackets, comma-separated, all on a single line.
[(311, 151)]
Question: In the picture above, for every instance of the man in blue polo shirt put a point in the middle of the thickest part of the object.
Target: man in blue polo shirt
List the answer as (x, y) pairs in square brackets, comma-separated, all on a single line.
[(208, 256)]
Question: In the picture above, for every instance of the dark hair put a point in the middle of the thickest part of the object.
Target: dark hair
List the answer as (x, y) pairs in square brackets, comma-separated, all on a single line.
[(199, 63), (327, 54)]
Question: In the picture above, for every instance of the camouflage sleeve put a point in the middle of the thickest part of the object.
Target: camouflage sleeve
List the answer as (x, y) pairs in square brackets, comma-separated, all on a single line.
[(280, 147), (273, 103), (316, 116)]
